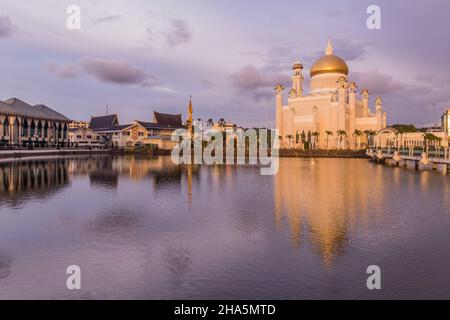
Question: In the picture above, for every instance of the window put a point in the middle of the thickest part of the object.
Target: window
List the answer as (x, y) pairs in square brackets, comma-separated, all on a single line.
[(89, 137), (141, 134), (78, 136)]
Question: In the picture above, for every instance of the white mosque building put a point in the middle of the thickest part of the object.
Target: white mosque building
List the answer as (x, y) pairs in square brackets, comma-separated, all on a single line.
[(330, 115)]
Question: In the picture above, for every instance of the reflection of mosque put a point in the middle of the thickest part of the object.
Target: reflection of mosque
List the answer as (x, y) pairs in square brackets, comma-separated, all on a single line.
[(321, 203), (34, 177)]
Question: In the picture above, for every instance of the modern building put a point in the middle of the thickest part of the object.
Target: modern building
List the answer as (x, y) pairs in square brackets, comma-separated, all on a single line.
[(78, 124), (330, 115), (25, 125), (85, 138)]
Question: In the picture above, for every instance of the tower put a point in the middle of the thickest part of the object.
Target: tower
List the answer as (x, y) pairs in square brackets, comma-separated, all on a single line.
[(297, 79), (365, 101), (352, 108), (379, 112), (279, 102)]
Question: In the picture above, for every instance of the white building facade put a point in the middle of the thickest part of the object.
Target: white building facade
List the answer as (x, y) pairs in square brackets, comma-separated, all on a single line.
[(330, 115)]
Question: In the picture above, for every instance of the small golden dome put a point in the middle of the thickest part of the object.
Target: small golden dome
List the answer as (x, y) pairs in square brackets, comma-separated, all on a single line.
[(297, 65), (329, 63)]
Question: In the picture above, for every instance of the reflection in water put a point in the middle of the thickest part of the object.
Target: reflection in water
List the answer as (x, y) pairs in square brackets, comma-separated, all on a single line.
[(5, 265), (143, 227), (326, 200), (35, 178)]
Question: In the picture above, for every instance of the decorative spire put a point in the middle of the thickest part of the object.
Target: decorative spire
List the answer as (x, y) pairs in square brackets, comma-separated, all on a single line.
[(329, 49), (190, 110)]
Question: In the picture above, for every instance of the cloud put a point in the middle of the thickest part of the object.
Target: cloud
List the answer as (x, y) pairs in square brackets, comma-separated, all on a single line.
[(108, 18), (377, 83), (249, 79), (178, 34), (67, 71), (7, 28), (118, 72), (281, 58)]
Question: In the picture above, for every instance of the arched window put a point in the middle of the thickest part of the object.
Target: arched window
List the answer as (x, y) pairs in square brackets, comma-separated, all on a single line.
[(6, 127)]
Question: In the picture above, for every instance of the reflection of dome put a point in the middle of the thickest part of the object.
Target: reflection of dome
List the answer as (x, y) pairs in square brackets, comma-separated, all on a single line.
[(329, 63)]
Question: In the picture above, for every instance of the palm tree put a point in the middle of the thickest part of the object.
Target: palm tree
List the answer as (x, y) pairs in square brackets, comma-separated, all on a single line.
[(370, 134), (328, 133), (210, 122), (290, 137), (341, 133), (316, 135), (357, 133), (221, 122)]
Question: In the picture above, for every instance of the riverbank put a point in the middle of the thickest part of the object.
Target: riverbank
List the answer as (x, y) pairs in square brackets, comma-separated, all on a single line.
[(335, 153), (286, 153), (14, 154), (18, 154)]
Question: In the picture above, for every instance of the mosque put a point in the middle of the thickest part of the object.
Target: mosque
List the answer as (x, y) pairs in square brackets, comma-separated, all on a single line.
[(330, 115)]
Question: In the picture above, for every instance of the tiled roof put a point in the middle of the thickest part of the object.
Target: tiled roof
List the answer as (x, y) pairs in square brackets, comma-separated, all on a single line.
[(166, 119), (113, 128), (153, 125), (18, 107), (52, 113), (103, 122)]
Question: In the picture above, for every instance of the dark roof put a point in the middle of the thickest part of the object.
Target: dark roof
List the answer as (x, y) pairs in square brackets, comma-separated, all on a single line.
[(120, 128), (103, 122), (113, 128), (169, 120), (153, 125), (21, 108)]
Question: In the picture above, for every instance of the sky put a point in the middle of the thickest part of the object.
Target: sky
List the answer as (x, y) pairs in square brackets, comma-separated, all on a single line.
[(140, 56)]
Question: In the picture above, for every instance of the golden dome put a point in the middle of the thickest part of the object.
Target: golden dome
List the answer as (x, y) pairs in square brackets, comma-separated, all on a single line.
[(329, 63)]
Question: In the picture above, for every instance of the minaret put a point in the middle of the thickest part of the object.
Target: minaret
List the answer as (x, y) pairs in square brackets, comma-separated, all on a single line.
[(279, 103), (379, 112), (365, 101), (342, 84), (297, 78), (352, 107)]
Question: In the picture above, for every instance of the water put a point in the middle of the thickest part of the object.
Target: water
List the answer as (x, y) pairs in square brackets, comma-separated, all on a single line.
[(147, 229)]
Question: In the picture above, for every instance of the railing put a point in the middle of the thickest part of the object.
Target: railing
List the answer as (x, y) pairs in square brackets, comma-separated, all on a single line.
[(432, 154)]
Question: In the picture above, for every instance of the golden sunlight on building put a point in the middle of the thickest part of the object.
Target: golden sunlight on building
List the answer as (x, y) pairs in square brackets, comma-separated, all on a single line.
[(330, 115)]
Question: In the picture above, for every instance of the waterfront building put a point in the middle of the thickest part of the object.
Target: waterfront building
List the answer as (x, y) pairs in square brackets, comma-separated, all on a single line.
[(330, 115), (25, 125), (78, 124), (392, 138), (85, 138), (155, 134)]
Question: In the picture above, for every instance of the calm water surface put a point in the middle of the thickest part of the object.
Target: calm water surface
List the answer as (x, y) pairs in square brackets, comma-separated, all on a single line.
[(147, 229)]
